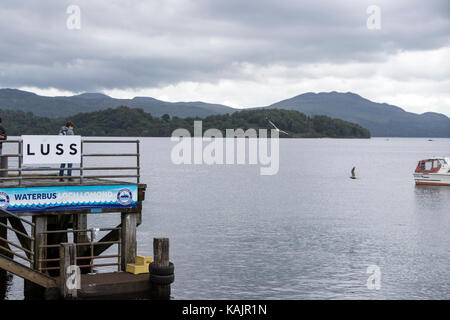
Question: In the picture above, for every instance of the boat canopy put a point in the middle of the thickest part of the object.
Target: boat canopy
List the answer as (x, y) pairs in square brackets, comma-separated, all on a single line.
[(430, 165)]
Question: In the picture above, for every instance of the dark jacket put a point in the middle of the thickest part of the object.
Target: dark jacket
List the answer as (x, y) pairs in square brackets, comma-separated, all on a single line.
[(2, 133), (64, 131)]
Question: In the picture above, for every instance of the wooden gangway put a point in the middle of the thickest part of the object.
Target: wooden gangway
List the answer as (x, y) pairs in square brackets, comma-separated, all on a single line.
[(27, 273)]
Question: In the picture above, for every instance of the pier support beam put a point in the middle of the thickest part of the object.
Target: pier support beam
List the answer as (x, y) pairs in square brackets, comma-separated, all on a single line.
[(70, 277), (128, 237), (40, 237), (80, 223), (4, 277), (32, 290), (57, 222)]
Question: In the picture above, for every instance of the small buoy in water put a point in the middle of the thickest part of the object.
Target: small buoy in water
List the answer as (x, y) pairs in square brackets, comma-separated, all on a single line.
[(353, 173)]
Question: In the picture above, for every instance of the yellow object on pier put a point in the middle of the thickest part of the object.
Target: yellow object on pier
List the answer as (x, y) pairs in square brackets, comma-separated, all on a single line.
[(141, 265), (143, 260), (137, 268)]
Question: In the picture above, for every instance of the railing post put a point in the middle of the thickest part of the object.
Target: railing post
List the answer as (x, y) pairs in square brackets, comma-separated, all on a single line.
[(70, 279), (20, 160), (119, 251), (81, 163), (32, 245), (138, 162), (91, 251)]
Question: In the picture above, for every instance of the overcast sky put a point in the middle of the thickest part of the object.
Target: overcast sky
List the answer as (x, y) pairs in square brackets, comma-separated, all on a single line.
[(240, 53)]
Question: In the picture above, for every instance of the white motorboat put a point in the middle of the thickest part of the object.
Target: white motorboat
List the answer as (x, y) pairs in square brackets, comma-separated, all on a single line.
[(433, 172)]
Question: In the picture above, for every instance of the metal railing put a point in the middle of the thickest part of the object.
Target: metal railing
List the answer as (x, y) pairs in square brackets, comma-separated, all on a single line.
[(91, 244), (21, 172), (4, 243)]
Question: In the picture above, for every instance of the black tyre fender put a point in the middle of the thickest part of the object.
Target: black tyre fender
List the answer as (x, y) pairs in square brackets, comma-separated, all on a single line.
[(163, 280), (161, 271)]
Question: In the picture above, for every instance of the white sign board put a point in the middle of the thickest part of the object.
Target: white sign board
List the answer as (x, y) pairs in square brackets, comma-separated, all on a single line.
[(51, 149)]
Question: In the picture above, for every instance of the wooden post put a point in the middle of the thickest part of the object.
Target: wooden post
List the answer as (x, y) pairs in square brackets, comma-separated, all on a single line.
[(128, 238), (30, 289), (161, 252), (58, 221), (3, 165), (141, 198), (40, 239), (80, 223), (70, 278), (161, 259)]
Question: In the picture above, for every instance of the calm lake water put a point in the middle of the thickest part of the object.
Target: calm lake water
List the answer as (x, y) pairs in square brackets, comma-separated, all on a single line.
[(308, 232)]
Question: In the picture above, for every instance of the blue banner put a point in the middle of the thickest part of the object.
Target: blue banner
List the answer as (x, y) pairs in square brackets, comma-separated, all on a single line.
[(68, 198)]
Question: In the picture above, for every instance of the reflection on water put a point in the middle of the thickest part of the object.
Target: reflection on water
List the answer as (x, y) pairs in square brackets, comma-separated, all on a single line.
[(431, 197)]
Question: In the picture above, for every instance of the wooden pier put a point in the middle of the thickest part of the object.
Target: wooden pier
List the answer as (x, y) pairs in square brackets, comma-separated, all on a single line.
[(53, 249)]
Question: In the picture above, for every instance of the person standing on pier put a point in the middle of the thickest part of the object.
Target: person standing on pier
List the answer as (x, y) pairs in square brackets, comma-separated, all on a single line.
[(3, 136), (66, 130)]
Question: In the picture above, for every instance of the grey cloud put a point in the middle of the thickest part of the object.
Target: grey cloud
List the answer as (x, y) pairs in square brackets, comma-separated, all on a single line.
[(140, 44)]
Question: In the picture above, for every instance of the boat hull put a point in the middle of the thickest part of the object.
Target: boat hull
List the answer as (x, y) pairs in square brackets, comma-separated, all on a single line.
[(432, 179)]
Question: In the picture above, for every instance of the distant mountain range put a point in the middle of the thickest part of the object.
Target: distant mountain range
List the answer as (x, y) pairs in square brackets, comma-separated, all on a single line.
[(54, 107), (380, 118)]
